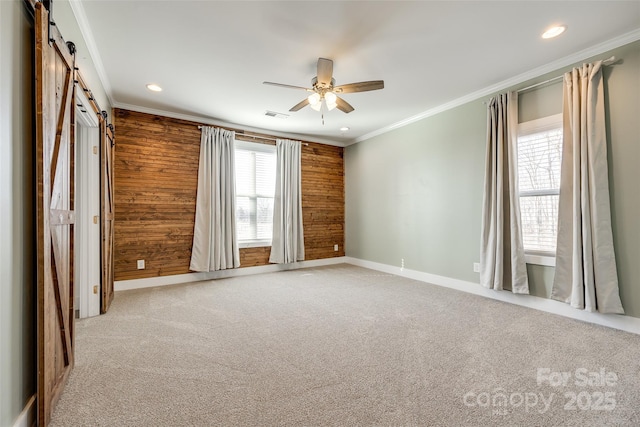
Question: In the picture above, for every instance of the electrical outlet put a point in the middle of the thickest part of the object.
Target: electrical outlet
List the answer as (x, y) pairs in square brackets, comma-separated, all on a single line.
[(335, 248), (476, 267), (402, 264), (140, 264)]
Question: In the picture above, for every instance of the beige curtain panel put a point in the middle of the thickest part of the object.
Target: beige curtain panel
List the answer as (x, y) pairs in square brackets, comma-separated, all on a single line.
[(585, 275), (215, 245), (288, 237), (502, 262)]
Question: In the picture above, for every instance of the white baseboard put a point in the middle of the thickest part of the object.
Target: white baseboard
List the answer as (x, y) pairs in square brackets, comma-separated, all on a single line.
[(126, 285), (27, 417), (616, 321)]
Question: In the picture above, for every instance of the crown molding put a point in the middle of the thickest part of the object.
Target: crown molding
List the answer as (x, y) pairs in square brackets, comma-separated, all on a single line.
[(211, 121), (598, 49), (630, 37), (87, 34)]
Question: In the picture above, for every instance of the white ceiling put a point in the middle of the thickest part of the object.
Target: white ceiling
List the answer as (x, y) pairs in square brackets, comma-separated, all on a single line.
[(211, 57)]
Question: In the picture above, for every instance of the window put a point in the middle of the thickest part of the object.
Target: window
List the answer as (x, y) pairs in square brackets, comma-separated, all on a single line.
[(255, 187), (539, 159)]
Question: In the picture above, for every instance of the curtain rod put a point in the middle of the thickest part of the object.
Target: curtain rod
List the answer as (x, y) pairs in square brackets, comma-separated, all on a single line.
[(609, 61), (605, 62), (540, 84), (266, 138)]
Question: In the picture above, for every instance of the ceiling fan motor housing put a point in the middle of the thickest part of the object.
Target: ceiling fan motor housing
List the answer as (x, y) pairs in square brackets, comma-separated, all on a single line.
[(322, 88)]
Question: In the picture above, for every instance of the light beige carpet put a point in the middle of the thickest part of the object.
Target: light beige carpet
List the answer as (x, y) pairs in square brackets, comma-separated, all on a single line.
[(343, 346)]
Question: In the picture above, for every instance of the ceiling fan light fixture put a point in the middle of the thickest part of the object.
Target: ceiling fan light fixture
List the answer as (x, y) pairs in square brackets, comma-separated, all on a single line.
[(330, 97), (316, 106), (330, 105), (314, 99)]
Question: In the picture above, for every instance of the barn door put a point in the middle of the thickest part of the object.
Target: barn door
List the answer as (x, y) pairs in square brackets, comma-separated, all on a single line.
[(106, 208), (55, 214)]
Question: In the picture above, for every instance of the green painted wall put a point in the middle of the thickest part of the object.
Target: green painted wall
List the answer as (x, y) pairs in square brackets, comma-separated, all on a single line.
[(408, 194), (415, 193), (17, 267), (622, 97), (543, 101), (17, 281)]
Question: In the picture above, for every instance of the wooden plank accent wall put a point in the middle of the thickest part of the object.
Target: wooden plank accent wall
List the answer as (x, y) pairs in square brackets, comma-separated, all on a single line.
[(156, 177)]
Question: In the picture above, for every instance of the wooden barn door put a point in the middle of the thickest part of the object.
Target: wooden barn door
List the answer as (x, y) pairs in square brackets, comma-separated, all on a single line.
[(106, 208), (55, 214)]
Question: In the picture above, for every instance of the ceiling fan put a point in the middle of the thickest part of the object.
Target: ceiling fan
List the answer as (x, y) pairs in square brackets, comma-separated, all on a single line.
[(324, 89)]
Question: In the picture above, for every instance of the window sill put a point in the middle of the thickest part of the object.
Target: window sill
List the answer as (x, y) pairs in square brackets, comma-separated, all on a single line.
[(254, 244), (540, 259)]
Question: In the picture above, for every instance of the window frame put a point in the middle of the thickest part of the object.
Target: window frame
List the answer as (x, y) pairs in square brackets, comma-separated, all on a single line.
[(254, 147), (548, 123)]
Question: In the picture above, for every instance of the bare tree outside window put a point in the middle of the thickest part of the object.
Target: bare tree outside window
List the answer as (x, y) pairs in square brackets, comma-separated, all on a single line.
[(539, 159)]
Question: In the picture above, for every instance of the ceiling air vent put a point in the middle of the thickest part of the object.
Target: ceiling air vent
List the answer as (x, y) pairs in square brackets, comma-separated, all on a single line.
[(277, 115)]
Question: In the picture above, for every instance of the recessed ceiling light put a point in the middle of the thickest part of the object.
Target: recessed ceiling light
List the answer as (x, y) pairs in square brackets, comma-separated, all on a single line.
[(154, 87), (554, 32), (344, 129)]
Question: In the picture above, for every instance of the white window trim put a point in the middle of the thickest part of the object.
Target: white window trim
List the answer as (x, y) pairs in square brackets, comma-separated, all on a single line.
[(548, 259), (255, 146), (527, 128), (254, 243), (540, 125), (265, 148)]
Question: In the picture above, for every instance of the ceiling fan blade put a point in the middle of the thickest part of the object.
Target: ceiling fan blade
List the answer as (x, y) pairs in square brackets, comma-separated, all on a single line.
[(325, 71), (288, 86), (343, 105), (300, 104), (360, 87)]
